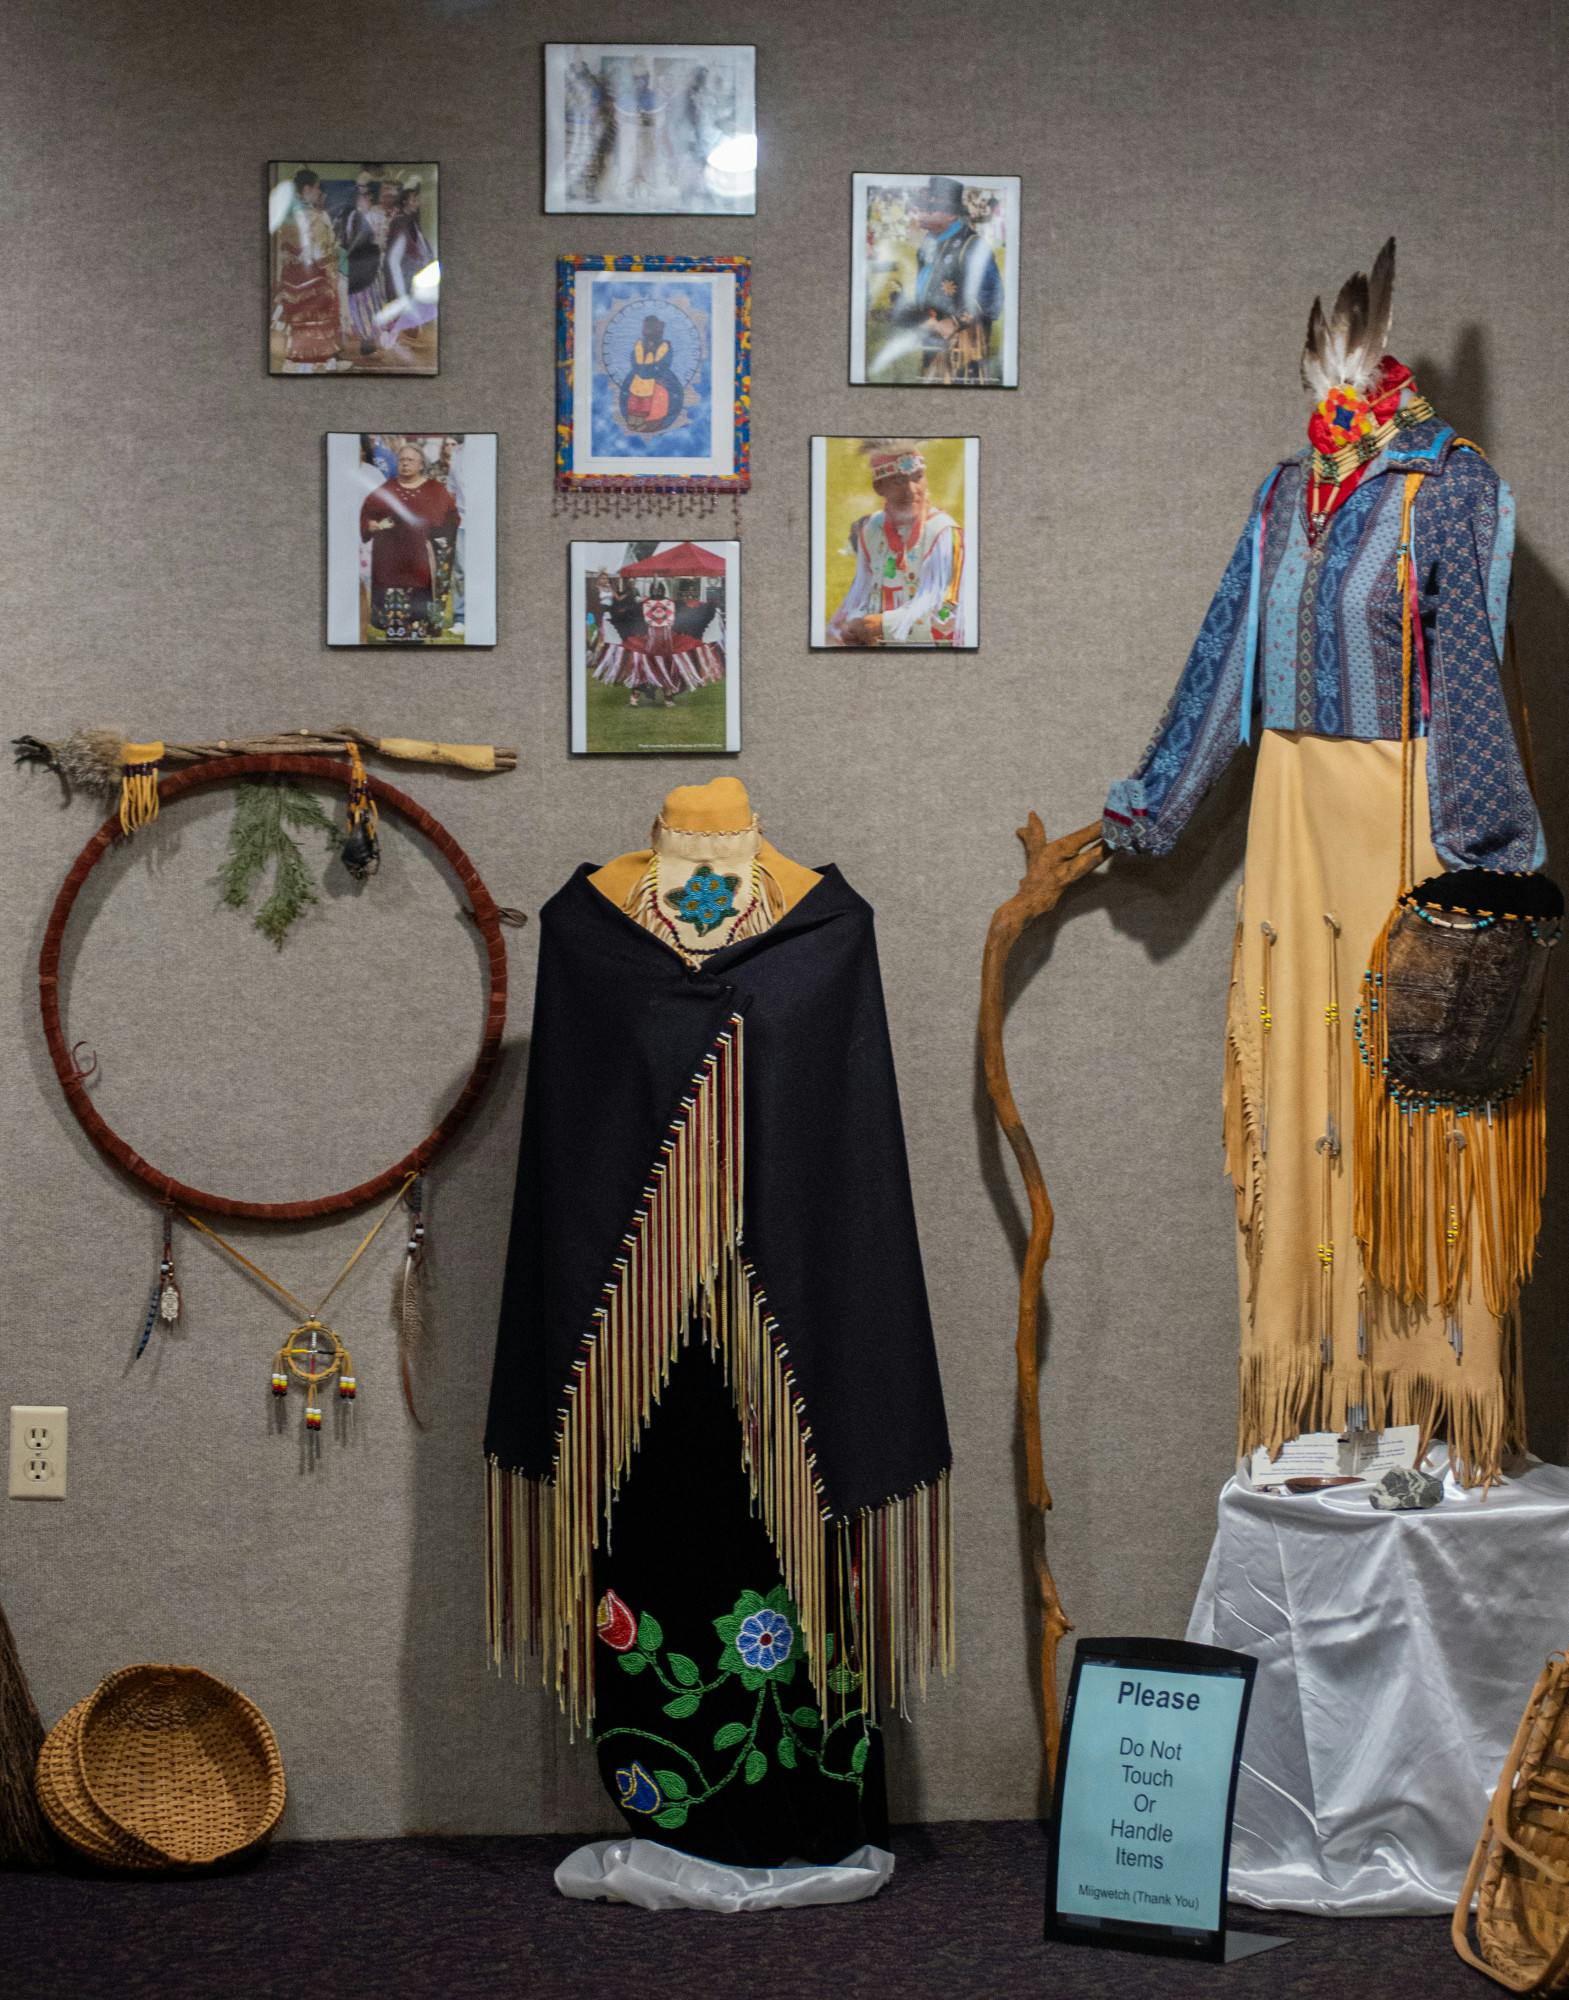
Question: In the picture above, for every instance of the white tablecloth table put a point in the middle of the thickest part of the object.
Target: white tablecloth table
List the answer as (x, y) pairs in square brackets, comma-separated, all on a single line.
[(1395, 1652)]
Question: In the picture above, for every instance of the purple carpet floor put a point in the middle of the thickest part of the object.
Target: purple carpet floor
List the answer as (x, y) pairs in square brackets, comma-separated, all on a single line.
[(394, 1919)]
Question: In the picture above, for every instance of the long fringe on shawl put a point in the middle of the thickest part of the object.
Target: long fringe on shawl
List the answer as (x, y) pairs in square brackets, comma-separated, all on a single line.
[(880, 1581)]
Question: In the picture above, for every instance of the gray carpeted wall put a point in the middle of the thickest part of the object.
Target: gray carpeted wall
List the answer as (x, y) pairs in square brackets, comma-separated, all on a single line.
[(1192, 173)]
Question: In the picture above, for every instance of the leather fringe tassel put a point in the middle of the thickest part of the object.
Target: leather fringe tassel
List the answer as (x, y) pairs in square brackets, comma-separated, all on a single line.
[(880, 1581), (1438, 1188), (139, 785)]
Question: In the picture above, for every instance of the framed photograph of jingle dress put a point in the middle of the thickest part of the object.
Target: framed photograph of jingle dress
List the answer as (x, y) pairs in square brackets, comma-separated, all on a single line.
[(934, 280), (411, 538), (354, 277), (896, 543), (653, 374), (656, 648), (650, 128)]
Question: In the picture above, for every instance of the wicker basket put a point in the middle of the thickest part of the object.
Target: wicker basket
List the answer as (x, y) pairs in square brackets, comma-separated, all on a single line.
[(1520, 1871), (161, 1767), (69, 1808), (182, 1762)]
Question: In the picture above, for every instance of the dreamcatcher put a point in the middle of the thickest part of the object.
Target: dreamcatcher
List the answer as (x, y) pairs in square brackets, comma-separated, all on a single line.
[(313, 1355)]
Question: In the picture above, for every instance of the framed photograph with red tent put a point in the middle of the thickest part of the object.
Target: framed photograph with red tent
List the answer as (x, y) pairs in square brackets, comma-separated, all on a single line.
[(655, 648)]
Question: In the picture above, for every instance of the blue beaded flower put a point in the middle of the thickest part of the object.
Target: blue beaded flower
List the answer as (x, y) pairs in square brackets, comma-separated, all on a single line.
[(764, 1640), (761, 1638), (638, 1791), (706, 900)]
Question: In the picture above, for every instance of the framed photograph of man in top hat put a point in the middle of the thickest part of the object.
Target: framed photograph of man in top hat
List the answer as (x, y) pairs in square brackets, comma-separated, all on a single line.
[(934, 280)]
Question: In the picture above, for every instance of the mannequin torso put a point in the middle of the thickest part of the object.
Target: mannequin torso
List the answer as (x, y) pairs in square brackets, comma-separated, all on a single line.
[(707, 851)]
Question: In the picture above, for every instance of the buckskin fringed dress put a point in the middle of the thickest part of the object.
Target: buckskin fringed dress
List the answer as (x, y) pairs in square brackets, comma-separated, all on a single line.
[(1304, 643), (717, 1502)]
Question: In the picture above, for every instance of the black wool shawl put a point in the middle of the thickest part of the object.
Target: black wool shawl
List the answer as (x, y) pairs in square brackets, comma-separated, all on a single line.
[(719, 1155)]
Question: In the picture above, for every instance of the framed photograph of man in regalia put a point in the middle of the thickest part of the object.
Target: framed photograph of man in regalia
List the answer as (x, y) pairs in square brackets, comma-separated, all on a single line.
[(934, 280), (656, 648), (653, 375), (650, 128), (354, 275), (411, 538), (896, 543)]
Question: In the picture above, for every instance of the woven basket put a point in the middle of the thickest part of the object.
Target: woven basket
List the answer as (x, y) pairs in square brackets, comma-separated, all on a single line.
[(1520, 1871), (180, 1763), (69, 1808)]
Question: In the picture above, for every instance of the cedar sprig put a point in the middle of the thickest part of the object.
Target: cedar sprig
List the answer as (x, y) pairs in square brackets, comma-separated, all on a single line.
[(264, 811)]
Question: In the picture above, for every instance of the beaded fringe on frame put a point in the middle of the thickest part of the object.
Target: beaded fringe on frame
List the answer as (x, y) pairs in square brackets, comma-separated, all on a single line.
[(1380, 1263), (880, 1581)]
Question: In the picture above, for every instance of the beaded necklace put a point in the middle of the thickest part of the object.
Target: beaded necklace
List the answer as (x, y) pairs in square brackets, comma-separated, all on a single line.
[(740, 925), (1328, 471), (898, 548)]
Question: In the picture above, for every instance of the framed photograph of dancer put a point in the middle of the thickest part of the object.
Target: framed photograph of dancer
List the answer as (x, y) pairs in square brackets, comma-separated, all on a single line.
[(656, 648), (934, 280), (411, 538), (650, 128), (653, 374), (896, 543), (354, 279)]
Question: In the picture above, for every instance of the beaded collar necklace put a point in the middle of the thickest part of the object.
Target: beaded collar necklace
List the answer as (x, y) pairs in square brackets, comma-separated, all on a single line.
[(694, 955), (898, 547), (1330, 468)]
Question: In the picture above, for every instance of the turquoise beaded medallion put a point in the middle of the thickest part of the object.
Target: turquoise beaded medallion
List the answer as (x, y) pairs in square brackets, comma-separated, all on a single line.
[(705, 900)]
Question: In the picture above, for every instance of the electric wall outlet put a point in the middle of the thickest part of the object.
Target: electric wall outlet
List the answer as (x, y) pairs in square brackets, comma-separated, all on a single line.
[(38, 1451)]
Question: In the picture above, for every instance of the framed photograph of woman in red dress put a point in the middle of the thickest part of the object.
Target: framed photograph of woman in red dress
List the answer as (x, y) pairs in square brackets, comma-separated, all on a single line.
[(411, 538), (354, 279)]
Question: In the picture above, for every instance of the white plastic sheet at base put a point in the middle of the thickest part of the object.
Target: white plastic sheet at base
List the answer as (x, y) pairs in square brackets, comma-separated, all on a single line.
[(1395, 1652), (658, 1878)]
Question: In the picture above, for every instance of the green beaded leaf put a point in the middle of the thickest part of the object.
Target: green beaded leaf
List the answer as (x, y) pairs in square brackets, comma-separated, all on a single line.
[(650, 1634), (729, 1735), (807, 1718), (684, 1670), (672, 1784), (786, 1753), (843, 1679), (684, 1704), (632, 1663), (756, 1766), (858, 1754), (728, 1626), (672, 1817)]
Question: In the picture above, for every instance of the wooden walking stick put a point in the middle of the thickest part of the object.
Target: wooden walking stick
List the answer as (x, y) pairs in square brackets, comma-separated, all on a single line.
[(1051, 866)]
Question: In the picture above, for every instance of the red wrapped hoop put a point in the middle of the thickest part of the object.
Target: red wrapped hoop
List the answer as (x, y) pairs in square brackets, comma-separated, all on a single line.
[(224, 770)]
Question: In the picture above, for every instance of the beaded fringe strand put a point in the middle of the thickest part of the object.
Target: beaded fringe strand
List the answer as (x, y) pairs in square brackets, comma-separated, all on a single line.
[(880, 1581)]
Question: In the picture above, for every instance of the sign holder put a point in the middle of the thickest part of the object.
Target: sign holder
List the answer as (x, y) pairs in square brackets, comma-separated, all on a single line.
[(1146, 1788)]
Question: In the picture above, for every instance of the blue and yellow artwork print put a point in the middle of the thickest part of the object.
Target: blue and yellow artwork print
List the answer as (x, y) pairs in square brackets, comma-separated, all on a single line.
[(653, 369)]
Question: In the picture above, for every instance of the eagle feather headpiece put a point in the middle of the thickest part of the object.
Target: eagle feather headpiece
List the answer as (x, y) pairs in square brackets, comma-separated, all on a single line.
[(1345, 349)]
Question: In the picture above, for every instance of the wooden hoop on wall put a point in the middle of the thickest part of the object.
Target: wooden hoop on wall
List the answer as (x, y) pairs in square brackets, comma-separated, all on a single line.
[(328, 770)]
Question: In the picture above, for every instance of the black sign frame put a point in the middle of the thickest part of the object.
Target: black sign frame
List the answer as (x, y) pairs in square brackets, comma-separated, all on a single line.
[(1176, 1656)]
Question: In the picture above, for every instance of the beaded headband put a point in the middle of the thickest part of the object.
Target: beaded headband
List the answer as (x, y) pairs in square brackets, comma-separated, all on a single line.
[(889, 465)]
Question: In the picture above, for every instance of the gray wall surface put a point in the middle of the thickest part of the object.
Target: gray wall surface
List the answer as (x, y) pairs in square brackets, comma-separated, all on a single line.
[(1192, 174)]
